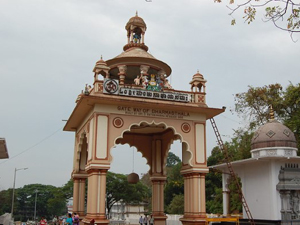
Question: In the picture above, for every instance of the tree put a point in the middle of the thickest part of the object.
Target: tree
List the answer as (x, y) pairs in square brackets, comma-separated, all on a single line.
[(5, 199), (50, 201), (172, 159), (238, 148), (284, 14), (177, 205), (118, 189), (253, 106), (213, 183), (174, 185)]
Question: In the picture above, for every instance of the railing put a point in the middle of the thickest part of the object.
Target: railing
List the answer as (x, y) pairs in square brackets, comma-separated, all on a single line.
[(195, 97)]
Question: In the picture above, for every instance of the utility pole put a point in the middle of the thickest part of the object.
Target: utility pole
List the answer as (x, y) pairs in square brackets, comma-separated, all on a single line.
[(34, 217), (13, 194)]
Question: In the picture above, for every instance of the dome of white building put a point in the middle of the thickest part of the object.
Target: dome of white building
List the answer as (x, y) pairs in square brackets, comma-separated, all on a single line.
[(273, 134)]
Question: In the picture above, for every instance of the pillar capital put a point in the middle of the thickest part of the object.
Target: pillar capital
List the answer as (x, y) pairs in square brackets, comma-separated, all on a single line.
[(79, 175), (144, 69), (202, 170), (158, 178), (122, 73), (91, 167), (122, 69)]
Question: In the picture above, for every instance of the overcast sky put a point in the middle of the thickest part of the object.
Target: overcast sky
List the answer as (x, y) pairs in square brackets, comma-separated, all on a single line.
[(48, 50)]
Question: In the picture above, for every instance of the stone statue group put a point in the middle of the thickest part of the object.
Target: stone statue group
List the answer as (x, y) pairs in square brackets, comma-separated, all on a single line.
[(156, 82)]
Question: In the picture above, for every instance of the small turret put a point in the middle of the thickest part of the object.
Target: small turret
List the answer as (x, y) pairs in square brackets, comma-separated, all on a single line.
[(101, 68), (197, 83), (136, 28)]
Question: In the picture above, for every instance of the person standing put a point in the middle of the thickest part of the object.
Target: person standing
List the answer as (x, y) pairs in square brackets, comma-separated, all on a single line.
[(55, 220), (151, 222), (69, 220), (145, 220), (75, 219), (43, 221), (141, 220)]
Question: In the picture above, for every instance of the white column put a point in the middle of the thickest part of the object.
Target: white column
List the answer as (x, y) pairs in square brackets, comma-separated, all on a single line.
[(225, 194)]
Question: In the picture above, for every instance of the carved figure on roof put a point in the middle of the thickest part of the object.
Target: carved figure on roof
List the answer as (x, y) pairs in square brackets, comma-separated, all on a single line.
[(137, 80), (136, 38), (144, 81), (87, 89), (160, 83), (152, 82), (167, 84), (153, 85)]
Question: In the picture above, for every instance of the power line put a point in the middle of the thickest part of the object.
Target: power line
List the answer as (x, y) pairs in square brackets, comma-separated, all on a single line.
[(44, 139)]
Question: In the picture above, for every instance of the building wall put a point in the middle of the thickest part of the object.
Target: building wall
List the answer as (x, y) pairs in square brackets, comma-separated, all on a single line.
[(259, 181)]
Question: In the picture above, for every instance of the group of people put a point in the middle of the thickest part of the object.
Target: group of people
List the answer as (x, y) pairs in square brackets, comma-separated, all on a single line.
[(72, 219), (147, 220)]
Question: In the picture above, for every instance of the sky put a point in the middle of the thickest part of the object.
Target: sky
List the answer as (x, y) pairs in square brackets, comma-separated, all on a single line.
[(48, 50)]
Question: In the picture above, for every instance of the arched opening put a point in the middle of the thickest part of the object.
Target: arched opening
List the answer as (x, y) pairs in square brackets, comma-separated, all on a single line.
[(152, 143)]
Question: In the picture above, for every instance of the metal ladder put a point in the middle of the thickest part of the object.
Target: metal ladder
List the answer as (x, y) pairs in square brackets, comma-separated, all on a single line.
[(232, 173)]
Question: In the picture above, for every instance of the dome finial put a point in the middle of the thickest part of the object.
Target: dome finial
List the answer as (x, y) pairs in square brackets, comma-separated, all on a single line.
[(271, 113), (197, 70), (136, 13), (101, 57)]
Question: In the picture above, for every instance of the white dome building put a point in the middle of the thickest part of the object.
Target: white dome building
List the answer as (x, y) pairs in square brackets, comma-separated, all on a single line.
[(271, 177)]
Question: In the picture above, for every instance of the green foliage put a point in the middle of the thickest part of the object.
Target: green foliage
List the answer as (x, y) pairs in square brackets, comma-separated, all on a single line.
[(118, 189), (174, 185), (238, 148), (291, 104), (213, 183), (253, 105), (177, 205), (50, 201), (215, 203), (5, 199), (172, 159), (235, 200), (240, 145)]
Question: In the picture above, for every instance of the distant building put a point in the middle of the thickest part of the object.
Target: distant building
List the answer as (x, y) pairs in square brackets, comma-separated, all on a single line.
[(3, 149), (271, 177), (129, 212)]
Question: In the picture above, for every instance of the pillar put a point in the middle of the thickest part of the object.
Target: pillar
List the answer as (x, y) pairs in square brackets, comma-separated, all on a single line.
[(158, 178), (131, 35), (122, 74), (79, 179), (194, 198), (226, 192), (79, 196), (96, 197), (143, 37), (128, 38), (158, 200)]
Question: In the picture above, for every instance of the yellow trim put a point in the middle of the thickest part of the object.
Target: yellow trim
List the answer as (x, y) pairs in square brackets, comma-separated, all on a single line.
[(231, 219)]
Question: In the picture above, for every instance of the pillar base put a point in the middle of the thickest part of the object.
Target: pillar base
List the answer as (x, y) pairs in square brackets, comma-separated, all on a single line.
[(160, 220), (193, 221), (97, 220)]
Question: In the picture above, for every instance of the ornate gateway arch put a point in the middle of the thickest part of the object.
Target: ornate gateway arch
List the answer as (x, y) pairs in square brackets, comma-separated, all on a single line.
[(135, 104)]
